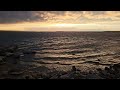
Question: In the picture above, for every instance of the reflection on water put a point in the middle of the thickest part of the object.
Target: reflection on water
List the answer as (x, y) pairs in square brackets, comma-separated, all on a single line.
[(73, 48)]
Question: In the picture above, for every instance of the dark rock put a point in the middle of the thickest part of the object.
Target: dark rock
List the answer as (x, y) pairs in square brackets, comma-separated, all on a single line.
[(2, 60), (116, 66), (107, 69), (73, 75), (64, 64), (93, 76), (2, 53), (29, 52), (93, 62), (105, 73), (99, 69), (111, 72), (111, 67), (115, 69), (73, 53), (73, 68), (15, 47), (27, 77), (91, 72), (98, 60), (17, 55), (57, 62), (76, 75), (45, 76), (54, 77), (66, 76)]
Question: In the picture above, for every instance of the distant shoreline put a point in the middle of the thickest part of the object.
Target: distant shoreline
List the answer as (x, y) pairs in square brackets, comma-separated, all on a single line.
[(55, 31)]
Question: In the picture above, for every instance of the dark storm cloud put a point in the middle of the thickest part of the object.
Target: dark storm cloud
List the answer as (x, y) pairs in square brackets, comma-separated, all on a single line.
[(25, 16), (19, 16)]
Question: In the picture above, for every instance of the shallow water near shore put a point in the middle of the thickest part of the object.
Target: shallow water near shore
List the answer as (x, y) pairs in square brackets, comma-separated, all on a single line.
[(61, 50)]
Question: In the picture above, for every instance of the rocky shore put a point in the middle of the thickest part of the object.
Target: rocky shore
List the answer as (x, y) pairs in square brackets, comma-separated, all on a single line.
[(11, 68)]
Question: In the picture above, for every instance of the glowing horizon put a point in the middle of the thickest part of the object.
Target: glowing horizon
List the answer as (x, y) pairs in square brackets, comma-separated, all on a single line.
[(60, 20)]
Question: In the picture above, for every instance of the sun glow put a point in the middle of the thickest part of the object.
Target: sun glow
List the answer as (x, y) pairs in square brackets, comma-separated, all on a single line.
[(65, 25), (63, 20)]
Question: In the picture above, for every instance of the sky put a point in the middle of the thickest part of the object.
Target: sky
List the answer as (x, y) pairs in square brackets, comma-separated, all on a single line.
[(60, 20)]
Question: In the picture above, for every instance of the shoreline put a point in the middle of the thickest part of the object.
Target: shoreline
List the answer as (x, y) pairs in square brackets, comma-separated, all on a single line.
[(11, 68)]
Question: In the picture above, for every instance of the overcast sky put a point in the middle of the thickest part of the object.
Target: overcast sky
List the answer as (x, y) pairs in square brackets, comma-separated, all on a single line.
[(60, 20)]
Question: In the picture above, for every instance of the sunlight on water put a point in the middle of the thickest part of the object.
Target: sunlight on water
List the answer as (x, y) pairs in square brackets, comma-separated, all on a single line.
[(63, 49)]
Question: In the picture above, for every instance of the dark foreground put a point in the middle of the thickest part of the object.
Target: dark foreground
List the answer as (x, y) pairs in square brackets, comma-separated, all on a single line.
[(11, 67)]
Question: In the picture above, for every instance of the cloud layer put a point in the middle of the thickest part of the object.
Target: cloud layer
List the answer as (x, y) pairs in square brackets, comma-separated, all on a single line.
[(19, 16), (58, 16), (59, 20)]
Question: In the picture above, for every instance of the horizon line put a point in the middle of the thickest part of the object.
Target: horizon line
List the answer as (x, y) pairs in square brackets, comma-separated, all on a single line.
[(55, 31)]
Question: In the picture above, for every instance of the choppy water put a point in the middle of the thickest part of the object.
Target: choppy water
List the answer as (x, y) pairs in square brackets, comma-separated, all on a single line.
[(70, 48)]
